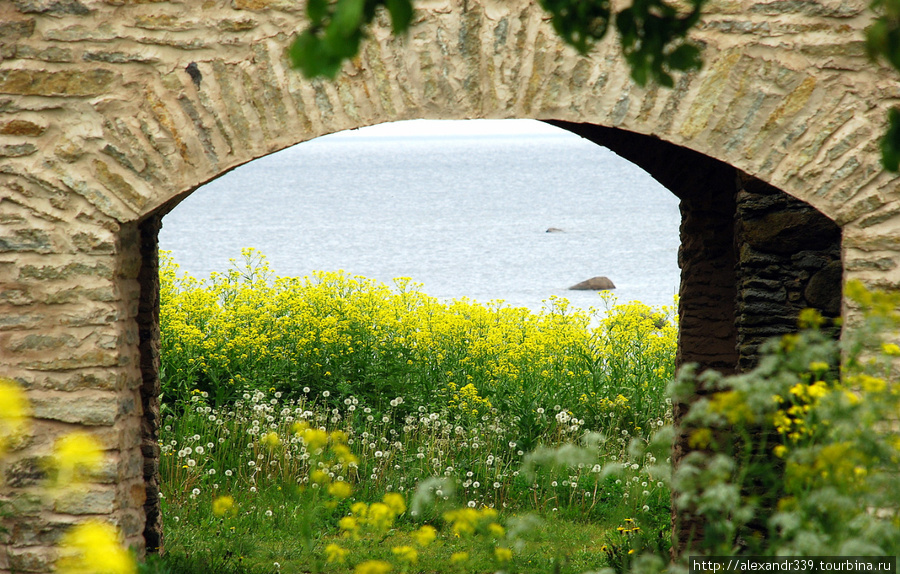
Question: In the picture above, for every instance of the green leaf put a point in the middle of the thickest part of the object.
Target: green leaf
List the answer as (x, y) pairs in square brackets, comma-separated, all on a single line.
[(876, 38), (317, 10), (347, 18), (401, 15), (890, 144), (639, 74), (311, 55), (302, 53), (684, 57)]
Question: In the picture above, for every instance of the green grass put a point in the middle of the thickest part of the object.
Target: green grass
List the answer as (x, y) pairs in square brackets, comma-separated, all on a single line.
[(582, 494), (275, 389), (558, 545)]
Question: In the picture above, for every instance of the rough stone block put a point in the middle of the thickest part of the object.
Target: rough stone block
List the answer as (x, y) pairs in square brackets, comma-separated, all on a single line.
[(28, 471), (257, 5), (86, 499), (16, 296), (40, 342), (89, 409), (26, 504), (52, 7), (11, 30), (21, 127), (38, 532), (91, 82), (31, 559), (26, 240), (65, 272), (17, 150)]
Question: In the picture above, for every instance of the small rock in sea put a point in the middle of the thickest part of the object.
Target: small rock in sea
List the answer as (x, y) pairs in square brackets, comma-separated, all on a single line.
[(594, 284)]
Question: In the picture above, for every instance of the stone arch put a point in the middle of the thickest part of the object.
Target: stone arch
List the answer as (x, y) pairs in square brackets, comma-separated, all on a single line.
[(111, 112)]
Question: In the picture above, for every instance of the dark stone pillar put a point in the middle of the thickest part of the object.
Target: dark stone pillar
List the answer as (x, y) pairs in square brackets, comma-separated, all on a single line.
[(148, 326), (789, 259)]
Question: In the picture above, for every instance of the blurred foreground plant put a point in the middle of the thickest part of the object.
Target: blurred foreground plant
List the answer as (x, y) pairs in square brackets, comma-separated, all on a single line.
[(800, 456)]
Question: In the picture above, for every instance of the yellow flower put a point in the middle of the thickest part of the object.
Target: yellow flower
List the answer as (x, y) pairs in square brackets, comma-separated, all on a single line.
[(373, 567), (502, 554), (14, 411), (93, 548), (319, 476), (395, 502), (222, 505), (732, 405), (314, 438), (380, 516), (348, 523), (425, 535), (496, 530), (335, 554), (700, 438), (890, 349), (780, 451), (463, 520), (818, 390), (75, 455), (810, 319), (270, 440), (344, 454), (459, 557), (406, 554), (340, 489), (871, 384)]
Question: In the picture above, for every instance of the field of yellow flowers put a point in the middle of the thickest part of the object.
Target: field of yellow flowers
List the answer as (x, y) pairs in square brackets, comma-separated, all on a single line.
[(301, 415)]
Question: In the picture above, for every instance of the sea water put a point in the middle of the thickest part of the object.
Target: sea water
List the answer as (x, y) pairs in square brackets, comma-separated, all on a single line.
[(463, 207)]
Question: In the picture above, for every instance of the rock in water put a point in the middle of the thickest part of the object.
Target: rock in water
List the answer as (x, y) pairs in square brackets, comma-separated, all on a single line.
[(594, 284)]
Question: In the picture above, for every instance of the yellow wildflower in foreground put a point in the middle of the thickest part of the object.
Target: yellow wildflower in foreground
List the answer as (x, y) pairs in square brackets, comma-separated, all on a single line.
[(223, 505), (93, 548), (406, 554), (373, 567), (502, 554), (319, 476), (425, 535), (459, 557), (336, 554), (75, 455), (380, 517), (340, 489), (395, 502), (271, 440), (13, 411), (314, 438), (350, 526)]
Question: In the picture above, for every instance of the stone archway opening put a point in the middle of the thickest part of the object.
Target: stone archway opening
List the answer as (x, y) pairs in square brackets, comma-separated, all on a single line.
[(751, 258)]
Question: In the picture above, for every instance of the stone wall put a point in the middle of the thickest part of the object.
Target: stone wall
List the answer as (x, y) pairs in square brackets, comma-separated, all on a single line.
[(111, 111), (788, 259)]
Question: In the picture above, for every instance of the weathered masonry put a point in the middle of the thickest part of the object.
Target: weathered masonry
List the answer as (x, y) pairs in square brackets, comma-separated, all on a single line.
[(112, 111)]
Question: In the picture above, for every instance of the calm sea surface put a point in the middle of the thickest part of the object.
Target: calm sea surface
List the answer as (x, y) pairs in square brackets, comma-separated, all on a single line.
[(462, 207)]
